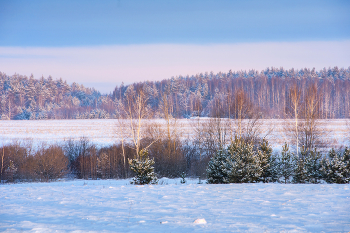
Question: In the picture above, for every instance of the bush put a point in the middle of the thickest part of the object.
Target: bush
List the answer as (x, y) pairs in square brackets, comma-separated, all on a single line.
[(50, 163)]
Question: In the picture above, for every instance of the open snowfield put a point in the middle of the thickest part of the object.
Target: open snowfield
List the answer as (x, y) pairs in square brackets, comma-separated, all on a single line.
[(104, 132), (116, 206)]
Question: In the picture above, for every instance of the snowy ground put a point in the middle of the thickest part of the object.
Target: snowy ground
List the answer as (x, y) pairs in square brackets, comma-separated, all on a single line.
[(116, 206), (105, 132)]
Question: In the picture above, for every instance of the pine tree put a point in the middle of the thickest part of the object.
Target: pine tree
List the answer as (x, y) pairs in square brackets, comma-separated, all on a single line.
[(300, 172), (243, 162), (217, 172), (287, 164), (143, 169), (268, 163), (313, 166), (308, 168), (336, 167)]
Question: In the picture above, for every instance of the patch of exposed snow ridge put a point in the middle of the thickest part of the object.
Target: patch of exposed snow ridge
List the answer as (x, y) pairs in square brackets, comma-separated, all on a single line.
[(200, 221)]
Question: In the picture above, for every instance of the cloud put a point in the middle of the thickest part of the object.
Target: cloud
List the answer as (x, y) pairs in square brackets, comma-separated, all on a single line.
[(106, 66)]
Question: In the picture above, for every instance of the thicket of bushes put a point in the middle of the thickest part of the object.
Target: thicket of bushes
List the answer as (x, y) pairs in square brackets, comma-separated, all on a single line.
[(84, 160), (20, 162)]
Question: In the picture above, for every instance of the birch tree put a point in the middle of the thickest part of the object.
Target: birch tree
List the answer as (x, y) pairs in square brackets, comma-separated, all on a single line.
[(135, 110)]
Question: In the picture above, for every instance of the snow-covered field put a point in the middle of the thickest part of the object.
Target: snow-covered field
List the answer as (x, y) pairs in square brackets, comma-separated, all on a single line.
[(104, 132), (116, 206)]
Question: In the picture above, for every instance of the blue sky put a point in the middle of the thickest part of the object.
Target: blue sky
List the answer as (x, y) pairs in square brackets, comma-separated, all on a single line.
[(103, 43)]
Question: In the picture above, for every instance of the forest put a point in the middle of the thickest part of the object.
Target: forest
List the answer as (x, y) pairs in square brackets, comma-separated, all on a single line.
[(208, 94)]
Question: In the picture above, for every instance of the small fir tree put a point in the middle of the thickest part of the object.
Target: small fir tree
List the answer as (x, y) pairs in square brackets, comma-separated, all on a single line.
[(336, 167), (300, 172), (268, 162), (308, 168), (313, 166), (287, 164), (346, 161), (183, 178), (217, 172), (243, 162), (143, 169)]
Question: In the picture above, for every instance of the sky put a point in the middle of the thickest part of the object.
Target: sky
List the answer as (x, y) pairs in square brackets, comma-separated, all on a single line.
[(103, 43)]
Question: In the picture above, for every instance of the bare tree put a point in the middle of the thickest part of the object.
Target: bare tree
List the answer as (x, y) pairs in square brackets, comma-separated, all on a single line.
[(292, 129), (247, 121), (306, 130), (172, 127), (135, 110), (312, 131), (122, 133)]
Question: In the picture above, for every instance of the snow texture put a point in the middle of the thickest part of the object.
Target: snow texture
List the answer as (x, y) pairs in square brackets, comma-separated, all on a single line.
[(117, 206), (104, 131)]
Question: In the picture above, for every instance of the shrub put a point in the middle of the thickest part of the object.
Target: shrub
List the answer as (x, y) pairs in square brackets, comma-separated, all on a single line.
[(50, 163)]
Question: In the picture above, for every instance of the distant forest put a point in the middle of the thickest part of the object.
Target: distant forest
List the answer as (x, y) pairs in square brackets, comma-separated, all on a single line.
[(272, 93)]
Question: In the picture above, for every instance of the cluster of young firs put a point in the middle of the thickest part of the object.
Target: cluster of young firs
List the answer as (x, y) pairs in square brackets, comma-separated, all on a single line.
[(242, 162)]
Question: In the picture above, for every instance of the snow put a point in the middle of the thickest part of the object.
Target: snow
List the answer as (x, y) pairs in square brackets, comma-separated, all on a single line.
[(104, 131), (117, 206)]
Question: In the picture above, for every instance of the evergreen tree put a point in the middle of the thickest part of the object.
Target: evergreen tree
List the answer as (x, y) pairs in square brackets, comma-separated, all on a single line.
[(143, 169), (217, 172), (287, 164), (243, 162), (336, 167), (268, 163), (308, 168), (313, 166), (300, 172)]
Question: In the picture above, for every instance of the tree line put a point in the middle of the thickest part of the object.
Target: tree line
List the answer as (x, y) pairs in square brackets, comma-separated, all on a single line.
[(223, 150), (240, 162), (232, 133), (243, 162), (204, 94)]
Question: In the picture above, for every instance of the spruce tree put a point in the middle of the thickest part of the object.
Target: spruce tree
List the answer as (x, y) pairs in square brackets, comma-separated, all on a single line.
[(313, 166), (217, 172), (243, 162), (308, 168), (268, 162), (143, 169), (286, 164), (336, 167), (300, 172)]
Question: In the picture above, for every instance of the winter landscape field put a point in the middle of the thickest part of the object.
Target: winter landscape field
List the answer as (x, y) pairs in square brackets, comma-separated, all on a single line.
[(105, 131), (174, 116), (117, 206)]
